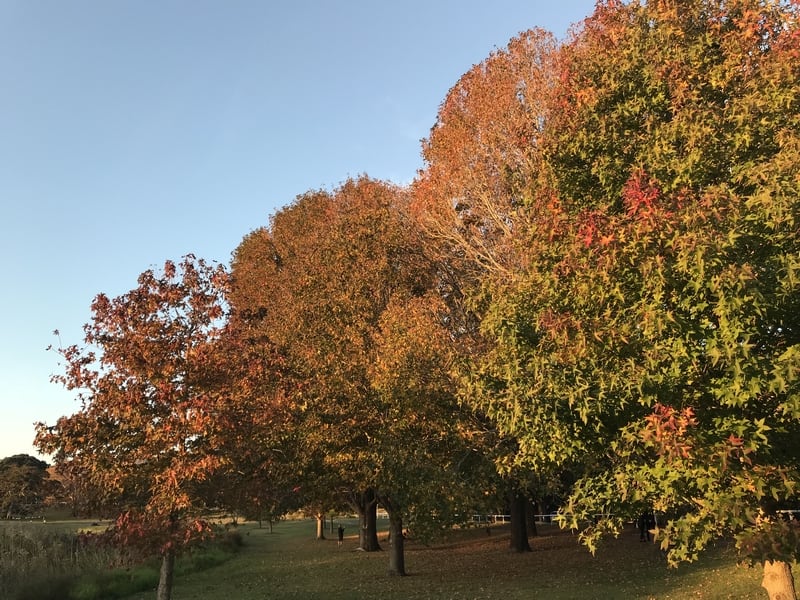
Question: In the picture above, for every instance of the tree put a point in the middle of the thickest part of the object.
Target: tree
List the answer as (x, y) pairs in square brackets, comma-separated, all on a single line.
[(428, 475), (24, 485), (652, 338), (483, 163), (365, 503), (312, 284), (486, 182), (150, 403), (318, 283), (258, 451)]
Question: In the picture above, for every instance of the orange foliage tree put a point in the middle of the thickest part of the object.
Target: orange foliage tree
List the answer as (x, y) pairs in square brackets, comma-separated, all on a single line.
[(317, 283), (485, 184), (484, 168), (257, 447), (145, 438)]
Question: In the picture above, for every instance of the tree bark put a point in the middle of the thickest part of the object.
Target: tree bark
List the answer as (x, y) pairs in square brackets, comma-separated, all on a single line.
[(778, 580), (320, 526), (397, 559), (366, 505), (519, 528), (166, 576)]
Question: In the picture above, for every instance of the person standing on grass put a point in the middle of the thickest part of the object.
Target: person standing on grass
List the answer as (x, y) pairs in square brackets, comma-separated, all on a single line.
[(341, 535), (646, 523)]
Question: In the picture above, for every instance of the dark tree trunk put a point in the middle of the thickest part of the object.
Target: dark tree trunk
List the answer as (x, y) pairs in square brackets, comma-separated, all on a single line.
[(519, 528), (166, 576), (371, 523), (366, 505), (397, 559)]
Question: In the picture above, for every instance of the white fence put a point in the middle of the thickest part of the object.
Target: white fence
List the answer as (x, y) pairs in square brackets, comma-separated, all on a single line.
[(489, 519)]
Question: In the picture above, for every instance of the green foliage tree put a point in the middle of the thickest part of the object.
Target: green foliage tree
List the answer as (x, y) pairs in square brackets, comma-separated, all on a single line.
[(146, 437), (24, 485), (684, 158), (652, 338)]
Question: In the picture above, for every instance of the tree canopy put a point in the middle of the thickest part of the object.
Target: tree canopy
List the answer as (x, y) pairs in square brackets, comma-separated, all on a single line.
[(329, 282)]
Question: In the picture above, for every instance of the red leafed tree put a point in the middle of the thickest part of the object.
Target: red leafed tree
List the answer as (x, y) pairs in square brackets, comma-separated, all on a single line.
[(143, 439)]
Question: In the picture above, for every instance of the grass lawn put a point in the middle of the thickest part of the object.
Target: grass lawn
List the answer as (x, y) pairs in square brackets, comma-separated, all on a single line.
[(289, 563)]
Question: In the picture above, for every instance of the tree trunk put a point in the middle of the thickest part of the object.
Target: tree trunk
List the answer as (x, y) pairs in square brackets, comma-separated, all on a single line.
[(320, 526), (370, 525), (519, 528), (166, 576), (778, 581), (397, 560), (366, 505), (362, 522)]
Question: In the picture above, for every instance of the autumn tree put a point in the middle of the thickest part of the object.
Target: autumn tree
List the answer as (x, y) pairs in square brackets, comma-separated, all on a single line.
[(425, 456), (483, 166), (651, 339), (485, 181), (318, 283), (257, 449), (145, 435), (312, 284)]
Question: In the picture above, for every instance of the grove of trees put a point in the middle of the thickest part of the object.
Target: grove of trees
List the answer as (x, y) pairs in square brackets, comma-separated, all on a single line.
[(591, 291)]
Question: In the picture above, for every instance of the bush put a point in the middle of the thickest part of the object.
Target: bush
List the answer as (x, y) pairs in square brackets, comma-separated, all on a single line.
[(51, 587), (231, 540), (111, 585)]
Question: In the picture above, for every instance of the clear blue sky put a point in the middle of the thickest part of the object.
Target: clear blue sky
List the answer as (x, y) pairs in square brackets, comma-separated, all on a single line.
[(134, 131)]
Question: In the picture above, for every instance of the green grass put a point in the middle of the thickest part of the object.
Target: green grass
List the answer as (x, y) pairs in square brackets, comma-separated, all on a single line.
[(289, 563)]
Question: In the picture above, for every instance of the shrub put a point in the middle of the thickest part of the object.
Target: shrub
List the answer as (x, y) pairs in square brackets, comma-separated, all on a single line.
[(51, 587), (231, 540)]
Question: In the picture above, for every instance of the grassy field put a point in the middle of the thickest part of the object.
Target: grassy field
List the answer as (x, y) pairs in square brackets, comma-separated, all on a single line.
[(289, 563)]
